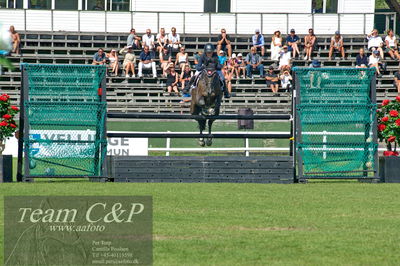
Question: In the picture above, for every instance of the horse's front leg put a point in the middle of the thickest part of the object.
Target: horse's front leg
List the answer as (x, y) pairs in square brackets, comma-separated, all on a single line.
[(209, 137), (202, 126)]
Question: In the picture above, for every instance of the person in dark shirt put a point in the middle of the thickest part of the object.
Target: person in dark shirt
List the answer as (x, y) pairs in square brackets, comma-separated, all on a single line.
[(99, 58), (224, 42), (272, 80), (209, 60), (397, 81), (147, 61), (292, 41), (361, 59)]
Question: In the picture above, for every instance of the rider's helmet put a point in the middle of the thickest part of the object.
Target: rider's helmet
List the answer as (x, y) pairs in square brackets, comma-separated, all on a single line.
[(209, 48)]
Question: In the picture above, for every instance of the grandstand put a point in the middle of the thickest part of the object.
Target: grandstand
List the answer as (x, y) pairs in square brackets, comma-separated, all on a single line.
[(147, 94)]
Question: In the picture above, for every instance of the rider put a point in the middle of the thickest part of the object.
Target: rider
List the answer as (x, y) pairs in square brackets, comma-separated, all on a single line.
[(209, 59)]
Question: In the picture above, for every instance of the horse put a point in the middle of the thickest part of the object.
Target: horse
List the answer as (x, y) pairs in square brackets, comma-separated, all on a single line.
[(206, 101)]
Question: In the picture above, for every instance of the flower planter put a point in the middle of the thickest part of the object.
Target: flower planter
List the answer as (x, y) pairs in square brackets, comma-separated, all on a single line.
[(5, 168), (389, 169)]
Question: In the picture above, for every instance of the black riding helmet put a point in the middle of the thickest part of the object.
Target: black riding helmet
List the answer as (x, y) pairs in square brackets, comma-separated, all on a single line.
[(209, 48)]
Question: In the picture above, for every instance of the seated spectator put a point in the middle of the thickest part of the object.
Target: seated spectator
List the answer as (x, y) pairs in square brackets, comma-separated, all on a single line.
[(147, 61), (165, 59), (292, 41), (172, 80), (286, 80), (148, 40), (254, 62), (272, 80), (133, 40), (228, 78), (315, 76), (309, 44), (185, 77), (16, 41), (374, 61), (361, 59), (276, 45), (114, 64), (241, 65), (233, 66), (258, 42), (182, 59), (99, 58), (397, 81), (392, 45), (336, 45), (196, 57), (284, 59), (129, 60), (222, 57), (162, 40), (174, 41), (375, 42), (224, 42)]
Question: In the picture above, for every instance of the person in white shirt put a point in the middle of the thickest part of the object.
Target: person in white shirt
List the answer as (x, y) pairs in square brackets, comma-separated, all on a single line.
[(161, 40), (286, 80), (391, 45), (375, 42), (174, 42), (374, 61), (284, 59), (276, 45), (148, 40)]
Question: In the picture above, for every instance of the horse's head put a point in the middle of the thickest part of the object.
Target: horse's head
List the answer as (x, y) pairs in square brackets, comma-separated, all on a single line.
[(209, 87)]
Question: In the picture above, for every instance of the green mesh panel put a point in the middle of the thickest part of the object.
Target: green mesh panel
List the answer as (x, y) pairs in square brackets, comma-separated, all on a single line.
[(336, 114), (65, 117)]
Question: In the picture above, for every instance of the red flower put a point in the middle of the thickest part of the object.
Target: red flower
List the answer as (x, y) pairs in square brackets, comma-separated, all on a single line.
[(6, 96), (398, 98), (398, 122), (7, 116), (385, 102), (394, 113), (385, 119), (15, 108), (391, 138), (13, 126), (3, 124), (3, 98), (381, 127), (390, 153)]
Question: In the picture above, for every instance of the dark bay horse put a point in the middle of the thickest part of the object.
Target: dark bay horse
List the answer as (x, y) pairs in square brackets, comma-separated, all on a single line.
[(206, 101)]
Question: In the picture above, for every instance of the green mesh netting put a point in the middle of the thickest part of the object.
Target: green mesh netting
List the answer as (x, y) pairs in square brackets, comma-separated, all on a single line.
[(335, 138), (65, 116)]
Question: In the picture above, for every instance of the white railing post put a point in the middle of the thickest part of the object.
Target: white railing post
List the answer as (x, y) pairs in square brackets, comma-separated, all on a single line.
[(168, 146), (324, 140), (247, 147)]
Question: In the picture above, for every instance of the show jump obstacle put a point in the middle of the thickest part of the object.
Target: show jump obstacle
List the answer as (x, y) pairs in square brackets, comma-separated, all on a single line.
[(63, 132)]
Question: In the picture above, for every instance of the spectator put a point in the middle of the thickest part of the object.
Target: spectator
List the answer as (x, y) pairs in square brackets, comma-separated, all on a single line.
[(186, 75), (276, 45), (114, 64), (133, 40), (162, 40), (99, 5), (165, 59), (196, 57), (99, 58), (16, 41), (241, 65), (233, 66), (148, 40), (147, 61), (228, 78), (391, 45), (292, 41), (222, 58), (284, 59), (224, 42), (309, 44), (258, 41), (374, 61), (172, 80), (129, 60), (336, 45), (397, 81), (286, 80), (272, 80), (375, 42), (361, 59), (254, 62), (315, 76), (174, 41), (182, 59)]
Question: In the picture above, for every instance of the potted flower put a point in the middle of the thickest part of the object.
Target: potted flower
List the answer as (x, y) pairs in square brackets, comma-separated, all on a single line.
[(389, 132), (7, 122)]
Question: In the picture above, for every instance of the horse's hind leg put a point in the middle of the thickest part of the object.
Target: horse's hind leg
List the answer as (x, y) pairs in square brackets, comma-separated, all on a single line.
[(209, 137)]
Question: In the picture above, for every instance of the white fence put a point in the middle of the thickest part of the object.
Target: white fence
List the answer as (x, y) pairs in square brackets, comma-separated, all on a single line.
[(188, 22)]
